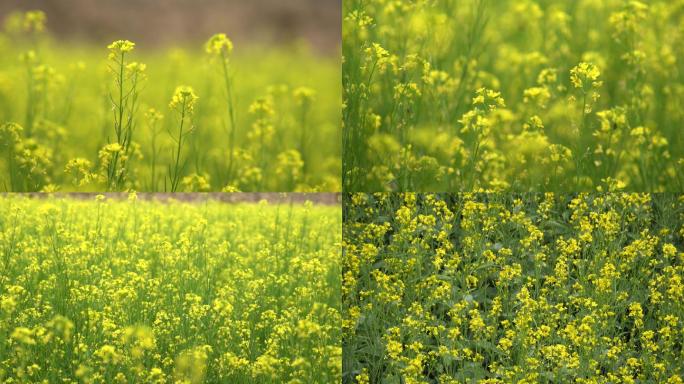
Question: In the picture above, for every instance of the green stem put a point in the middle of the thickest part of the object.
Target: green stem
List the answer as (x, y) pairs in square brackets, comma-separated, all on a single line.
[(231, 116), (154, 159), (29, 103), (117, 124), (580, 141), (176, 172), (302, 138), (10, 159)]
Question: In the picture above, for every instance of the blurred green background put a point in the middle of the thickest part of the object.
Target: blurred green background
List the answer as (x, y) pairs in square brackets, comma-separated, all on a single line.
[(279, 48)]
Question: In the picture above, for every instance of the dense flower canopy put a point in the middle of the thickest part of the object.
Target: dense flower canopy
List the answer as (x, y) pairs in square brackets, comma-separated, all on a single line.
[(504, 288)]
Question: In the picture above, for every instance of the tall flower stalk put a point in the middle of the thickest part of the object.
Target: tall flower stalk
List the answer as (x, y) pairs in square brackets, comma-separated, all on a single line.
[(304, 97), (183, 104), (33, 25), (153, 118), (124, 100), (220, 47), (585, 77)]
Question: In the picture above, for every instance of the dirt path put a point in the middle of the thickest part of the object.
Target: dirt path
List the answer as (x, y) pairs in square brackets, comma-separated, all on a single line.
[(282, 198)]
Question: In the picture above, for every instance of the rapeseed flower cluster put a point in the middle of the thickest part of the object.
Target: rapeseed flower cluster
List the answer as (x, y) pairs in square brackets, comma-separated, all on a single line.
[(508, 288), (592, 89), (136, 291)]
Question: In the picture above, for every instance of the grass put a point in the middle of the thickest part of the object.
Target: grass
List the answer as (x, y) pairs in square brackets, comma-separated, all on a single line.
[(513, 288), (590, 95), (104, 291), (74, 119)]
